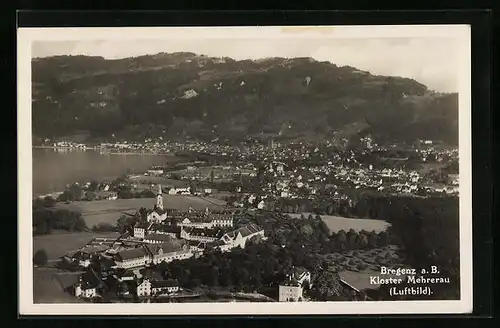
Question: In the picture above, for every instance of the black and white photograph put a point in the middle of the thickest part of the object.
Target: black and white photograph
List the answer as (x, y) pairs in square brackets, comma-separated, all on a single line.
[(245, 170)]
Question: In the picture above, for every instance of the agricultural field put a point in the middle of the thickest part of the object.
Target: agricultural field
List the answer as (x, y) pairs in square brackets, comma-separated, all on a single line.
[(48, 286), (58, 244), (109, 211), (337, 223), (356, 267)]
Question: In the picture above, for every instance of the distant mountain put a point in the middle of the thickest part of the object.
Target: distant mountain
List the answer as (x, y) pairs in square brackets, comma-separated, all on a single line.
[(185, 94)]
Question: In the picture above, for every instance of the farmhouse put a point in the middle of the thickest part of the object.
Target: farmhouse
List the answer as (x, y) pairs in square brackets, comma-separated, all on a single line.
[(83, 256), (300, 274), (110, 195), (220, 245), (87, 285)]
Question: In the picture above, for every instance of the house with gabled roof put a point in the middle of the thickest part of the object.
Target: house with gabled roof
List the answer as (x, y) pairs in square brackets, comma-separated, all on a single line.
[(165, 229), (175, 249), (292, 288), (83, 256), (87, 285), (141, 228), (164, 286), (144, 287), (240, 236), (148, 287), (132, 258)]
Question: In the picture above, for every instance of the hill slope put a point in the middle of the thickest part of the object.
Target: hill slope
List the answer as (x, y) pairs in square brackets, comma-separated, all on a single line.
[(184, 94)]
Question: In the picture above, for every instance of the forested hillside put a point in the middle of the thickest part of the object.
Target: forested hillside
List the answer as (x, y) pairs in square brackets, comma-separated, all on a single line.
[(183, 94)]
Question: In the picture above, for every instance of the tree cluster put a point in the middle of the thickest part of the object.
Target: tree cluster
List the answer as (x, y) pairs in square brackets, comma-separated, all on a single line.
[(47, 219)]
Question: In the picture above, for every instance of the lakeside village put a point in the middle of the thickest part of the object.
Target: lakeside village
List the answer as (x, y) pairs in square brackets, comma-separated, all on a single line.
[(299, 169), (270, 179)]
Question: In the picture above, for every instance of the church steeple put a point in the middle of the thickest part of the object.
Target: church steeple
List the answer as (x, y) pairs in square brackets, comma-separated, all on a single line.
[(159, 198)]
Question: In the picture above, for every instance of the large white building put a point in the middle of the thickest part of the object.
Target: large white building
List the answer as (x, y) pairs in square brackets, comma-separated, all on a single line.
[(146, 287), (202, 235), (141, 228), (207, 221), (173, 250), (240, 236), (132, 258), (291, 290), (87, 285)]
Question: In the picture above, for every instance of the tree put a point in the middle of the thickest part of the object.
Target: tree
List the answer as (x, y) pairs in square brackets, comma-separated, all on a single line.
[(49, 201), (342, 239), (38, 204), (75, 192), (383, 238), (362, 240), (306, 229), (352, 238), (372, 239), (94, 185), (40, 257)]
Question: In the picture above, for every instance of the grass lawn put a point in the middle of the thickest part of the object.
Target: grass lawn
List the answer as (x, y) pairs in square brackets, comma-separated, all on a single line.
[(337, 223), (58, 244), (109, 211)]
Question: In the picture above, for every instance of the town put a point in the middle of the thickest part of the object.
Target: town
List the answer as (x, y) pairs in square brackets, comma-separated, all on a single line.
[(268, 192)]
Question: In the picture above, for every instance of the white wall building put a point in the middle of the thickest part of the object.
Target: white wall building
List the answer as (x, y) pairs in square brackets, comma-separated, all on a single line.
[(144, 288), (292, 289), (290, 293), (169, 251), (132, 258), (240, 236), (164, 287), (84, 291)]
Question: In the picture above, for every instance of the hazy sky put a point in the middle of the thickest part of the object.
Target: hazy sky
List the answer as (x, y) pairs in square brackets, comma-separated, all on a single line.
[(431, 61)]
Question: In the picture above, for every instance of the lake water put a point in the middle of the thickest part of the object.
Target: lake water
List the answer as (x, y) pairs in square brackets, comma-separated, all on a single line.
[(53, 170)]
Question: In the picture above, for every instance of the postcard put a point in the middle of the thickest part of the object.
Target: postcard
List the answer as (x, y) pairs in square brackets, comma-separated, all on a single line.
[(245, 170)]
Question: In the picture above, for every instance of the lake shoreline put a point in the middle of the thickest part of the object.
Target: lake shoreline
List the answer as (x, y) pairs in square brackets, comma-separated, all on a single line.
[(53, 170)]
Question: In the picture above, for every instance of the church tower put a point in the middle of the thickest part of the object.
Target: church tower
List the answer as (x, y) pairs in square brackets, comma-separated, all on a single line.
[(159, 198)]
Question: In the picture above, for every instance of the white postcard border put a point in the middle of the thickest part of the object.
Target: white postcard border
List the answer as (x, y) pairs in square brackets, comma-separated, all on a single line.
[(25, 248)]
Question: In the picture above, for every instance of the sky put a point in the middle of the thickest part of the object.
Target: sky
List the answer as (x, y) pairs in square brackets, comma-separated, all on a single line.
[(432, 61)]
